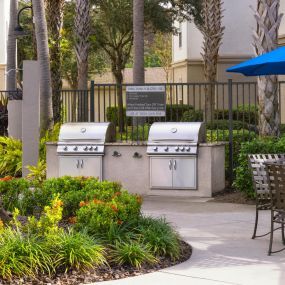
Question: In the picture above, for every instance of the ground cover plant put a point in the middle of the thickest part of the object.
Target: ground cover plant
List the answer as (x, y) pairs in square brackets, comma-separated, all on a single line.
[(64, 224), (11, 155)]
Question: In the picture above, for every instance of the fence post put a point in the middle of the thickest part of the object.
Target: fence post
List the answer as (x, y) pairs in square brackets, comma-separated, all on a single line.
[(230, 94), (92, 101)]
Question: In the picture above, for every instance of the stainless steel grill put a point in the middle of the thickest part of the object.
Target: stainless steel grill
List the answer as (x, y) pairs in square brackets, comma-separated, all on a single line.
[(81, 147), (84, 138), (175, 138), (173, 151)]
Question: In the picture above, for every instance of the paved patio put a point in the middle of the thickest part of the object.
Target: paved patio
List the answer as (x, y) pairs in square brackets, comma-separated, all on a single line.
[(223, 251)]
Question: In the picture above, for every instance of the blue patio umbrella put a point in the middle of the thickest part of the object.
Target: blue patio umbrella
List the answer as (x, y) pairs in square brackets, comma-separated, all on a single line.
[(271, 63)]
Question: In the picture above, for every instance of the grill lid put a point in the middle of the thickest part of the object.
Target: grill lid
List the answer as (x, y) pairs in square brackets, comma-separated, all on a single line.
[(177, 132), (87, 132)]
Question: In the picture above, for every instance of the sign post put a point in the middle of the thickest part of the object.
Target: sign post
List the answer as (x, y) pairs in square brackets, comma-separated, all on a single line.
[(146, 101)]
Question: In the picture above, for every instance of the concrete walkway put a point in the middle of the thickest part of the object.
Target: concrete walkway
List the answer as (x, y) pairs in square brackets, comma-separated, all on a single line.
[(223, 251)]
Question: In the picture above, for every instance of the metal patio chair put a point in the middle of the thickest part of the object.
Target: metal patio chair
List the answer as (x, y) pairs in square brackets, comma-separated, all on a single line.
[(276, 178), (260, 182)]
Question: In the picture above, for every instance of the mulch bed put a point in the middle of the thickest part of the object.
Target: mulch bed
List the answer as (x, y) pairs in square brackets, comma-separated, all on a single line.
[(102, 274), (230, 195)]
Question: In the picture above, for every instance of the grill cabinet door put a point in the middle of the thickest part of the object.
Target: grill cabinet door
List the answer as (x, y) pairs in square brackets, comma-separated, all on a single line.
[(80, 166), (91, 166), (69, 166), (160, 172), (184, 173)]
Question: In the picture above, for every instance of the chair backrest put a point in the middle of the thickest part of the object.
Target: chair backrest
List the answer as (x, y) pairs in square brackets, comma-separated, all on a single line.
[(276, 178), (258, 171)]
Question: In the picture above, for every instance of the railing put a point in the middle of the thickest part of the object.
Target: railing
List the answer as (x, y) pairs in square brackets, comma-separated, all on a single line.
[(232, 115)]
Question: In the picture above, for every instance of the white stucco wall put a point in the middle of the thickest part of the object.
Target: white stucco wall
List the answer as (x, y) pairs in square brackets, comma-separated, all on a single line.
[(237, 41), (4, 12), (240, 23), (195, 38), (180, 53), (282, 10)]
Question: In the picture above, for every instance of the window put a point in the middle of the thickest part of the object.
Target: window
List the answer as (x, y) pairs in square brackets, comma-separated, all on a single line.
[(180, 35)]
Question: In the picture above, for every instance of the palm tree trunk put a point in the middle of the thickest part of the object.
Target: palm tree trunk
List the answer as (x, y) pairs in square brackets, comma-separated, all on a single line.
[(138, 22), (265, 40), (118, 74), (138, 29), (43, 58), (82, 45), (11, 79), (54, 9), (212, 31)]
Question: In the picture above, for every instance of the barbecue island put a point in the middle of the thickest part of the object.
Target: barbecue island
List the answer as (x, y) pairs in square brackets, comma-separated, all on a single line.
[(176, 160)]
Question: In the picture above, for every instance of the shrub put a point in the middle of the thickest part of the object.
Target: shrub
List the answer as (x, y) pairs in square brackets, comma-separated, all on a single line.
[(73, 250), (112, 115), (224, 125), (48, 136), (40, 246), (175, 112), (16, 194), (11, 154), (10, 157), (192, 116), (161, 238), (22, 255), (243, 180), (132, 253), (99, 215), (239, 136), (38, 172), (246, 113)]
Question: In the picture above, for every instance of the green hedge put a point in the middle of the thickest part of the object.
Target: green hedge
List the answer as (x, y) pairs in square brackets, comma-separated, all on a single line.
[(16, 193), (239, 136), (243, 180), (246, 113)]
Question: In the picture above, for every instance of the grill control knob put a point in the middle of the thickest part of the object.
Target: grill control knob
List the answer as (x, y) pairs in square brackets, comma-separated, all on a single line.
[(177, 148), (75, 148), (182, 148), (95, 147), (155, 148), (188, 148), (65, 148), (91, 148), (85, 148), (166, 148)]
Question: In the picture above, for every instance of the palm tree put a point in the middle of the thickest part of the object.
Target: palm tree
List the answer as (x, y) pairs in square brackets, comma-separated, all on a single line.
[(54, 10), (265, 40), (11, 80), (212, 31), (43, 58), (82, 45), (138, 27)]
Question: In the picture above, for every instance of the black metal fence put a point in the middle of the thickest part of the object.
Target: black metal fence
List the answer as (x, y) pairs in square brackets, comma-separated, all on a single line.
[(234, 110)]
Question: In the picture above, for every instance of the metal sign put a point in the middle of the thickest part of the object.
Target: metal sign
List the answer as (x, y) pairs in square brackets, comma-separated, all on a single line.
[(146, 101)]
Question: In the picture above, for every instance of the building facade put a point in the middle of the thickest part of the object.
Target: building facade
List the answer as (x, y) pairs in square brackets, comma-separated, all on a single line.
[(4, 23), (236, 47)]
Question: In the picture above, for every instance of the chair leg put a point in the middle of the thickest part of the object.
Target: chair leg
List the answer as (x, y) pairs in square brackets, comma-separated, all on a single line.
[(283, 234), (255, 225), (271, 234)]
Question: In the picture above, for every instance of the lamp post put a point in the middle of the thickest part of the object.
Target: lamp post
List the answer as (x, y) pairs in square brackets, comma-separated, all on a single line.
[(19, 31)]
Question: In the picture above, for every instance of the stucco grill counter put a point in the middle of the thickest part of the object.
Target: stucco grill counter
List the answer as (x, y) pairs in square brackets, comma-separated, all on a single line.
[(175, 161), (81, 148), (173, 150)]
